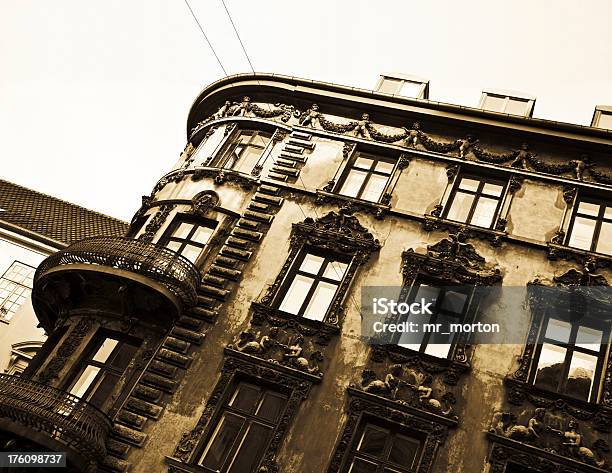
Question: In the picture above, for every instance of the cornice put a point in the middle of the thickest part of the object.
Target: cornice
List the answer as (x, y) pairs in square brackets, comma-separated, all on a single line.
[(277, 85)]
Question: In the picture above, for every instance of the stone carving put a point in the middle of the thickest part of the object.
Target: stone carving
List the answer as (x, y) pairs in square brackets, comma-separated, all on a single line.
[(159, 218), (203, 202), (310, 117), (407, 386), (572, 443), (361, 128), (504, 423), (465, 145)]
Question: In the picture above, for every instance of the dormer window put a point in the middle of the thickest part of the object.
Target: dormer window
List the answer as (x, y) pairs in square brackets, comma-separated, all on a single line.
[(602, 118), (510, 103), (402, 84)]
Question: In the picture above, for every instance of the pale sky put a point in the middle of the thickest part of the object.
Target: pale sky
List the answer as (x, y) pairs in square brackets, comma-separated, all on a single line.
[(94, 95)]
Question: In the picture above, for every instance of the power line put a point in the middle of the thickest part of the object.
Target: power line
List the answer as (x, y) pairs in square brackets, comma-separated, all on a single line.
[(238, 36), (206, 37)]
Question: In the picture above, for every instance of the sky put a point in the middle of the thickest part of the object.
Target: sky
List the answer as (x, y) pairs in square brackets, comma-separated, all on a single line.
[(94, 95)]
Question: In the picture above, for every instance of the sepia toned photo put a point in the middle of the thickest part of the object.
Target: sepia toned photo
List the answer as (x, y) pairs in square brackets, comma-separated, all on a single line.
[(305, 237)]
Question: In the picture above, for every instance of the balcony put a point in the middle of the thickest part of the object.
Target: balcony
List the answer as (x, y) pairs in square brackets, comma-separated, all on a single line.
[(54, 419), (127, 277)]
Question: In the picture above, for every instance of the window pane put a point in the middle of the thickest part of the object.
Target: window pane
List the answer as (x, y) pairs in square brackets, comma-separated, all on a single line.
[(85, 380), (321, 299), (271, 406), (312, 264), (558, 330), (296, 294), (517, 107), (550, 367), (484, 212), (245, 398), (104, 389), (608, 212), (403, 451), (173, 245), (460, 207), (411, 89), (123, 355), (202, 235), (429, 293), (390, 86), (582, 233), (605, 121), (105, 350), (492, 189), (191, 252), (223, 440), (373, 441), (587, 208), (363, 163), (604, 241), (353, 183), (581, 375), (589, 338), (384, 166), (335, 270), (454, 301), (469, 184), (360, 465), (494, 103), (182, 231), (413, 341), (374, 188), (251, 449)]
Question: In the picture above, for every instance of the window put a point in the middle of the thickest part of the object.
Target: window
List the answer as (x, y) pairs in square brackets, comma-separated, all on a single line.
[(382, 450), (366, 177), (449, 307), (503, 103), (591, 226), (406, 85), (602, 118), (101, 369), (311, 285), (475, 201), (244, 429), (189, 236), (15, 288), (245, 150), (570, 356)]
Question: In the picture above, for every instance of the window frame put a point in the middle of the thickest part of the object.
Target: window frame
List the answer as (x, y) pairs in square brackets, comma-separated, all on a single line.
[(601, 110), (350, 166), (86, 359), (3, 311), (466, 314), (403, 78), (599, 220), (233, 141), (529, 100), (393, 431), (180, 218), (207, 440), (483, 180), (294, 270), (570, 348)]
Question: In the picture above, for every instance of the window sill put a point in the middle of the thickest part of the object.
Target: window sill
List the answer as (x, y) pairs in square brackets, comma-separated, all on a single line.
[(377, 209), (556, 251), (431, 222)]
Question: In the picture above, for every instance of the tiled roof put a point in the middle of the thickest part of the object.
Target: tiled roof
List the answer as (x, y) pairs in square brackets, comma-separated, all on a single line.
[(52, 217)]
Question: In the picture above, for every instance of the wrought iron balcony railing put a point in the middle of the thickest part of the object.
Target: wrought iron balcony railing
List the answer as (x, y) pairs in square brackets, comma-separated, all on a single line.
[(155, 262), (62, 417)]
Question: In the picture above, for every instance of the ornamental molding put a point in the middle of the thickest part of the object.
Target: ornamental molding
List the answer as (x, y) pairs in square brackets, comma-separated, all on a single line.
[(452, 260), (494, 236), (506, 452), (364, 406), (350, 205), (467, 148), (557, 250), (235, 367)]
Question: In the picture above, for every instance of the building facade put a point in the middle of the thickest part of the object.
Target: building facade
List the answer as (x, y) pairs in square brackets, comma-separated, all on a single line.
[(32, 227), (224, 332)]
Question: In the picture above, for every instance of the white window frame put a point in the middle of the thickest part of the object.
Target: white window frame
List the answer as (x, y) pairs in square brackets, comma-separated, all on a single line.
[(509, 95), (599, 111), (403, 78)]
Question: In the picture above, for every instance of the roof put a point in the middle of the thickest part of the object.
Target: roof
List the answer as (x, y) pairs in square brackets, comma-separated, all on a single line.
[(53, 218)]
